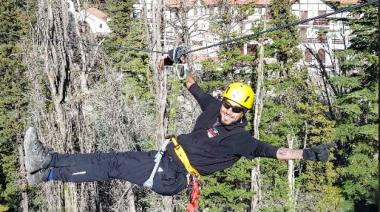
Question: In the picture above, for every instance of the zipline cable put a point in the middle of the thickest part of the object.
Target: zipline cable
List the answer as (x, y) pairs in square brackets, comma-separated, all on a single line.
[(74, 43), (245, 37), (284, 26)]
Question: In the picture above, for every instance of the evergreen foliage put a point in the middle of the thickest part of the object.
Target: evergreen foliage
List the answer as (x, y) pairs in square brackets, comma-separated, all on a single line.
[(292, 111), (128, 31), (284, 46), (13, 87), (357, 111), (228, 190)]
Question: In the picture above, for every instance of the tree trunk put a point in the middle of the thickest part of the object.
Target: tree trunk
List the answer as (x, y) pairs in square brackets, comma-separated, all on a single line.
[(24, 195), (259, 93), (255, 173), (330, 90), (160, 80), (131, 201), (255, 186), (56, 72), (291, 192), (66, 84)]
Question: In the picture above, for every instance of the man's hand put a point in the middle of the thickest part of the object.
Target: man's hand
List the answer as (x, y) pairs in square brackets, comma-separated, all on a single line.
[(318, 153), (166, 60), (189, 80), (174, 56)]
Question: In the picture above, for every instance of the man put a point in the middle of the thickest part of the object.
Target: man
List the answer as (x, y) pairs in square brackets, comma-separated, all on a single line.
[(217, 141)]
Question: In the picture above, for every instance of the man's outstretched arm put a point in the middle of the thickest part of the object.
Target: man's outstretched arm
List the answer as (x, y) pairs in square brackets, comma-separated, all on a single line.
[(289, 154), (316, 153)]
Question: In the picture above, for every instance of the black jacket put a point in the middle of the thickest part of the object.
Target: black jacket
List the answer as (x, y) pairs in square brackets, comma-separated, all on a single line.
[(212, 146)]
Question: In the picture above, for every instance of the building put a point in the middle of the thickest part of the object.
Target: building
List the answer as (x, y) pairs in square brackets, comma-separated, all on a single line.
[(319, 37), (94, 19)]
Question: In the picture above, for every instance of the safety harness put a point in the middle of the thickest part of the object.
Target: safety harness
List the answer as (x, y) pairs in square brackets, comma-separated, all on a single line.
[(157, 158), (193, 177)]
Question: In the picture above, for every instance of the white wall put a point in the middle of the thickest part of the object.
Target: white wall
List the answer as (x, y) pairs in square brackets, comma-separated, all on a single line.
[(97, 25)]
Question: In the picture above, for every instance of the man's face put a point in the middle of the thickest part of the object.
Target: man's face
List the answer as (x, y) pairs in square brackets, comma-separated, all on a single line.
[(230, 112)]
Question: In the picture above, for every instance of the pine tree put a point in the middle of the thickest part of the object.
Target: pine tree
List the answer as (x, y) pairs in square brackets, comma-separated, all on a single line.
[(357, 111), (292, 113), (13, 89), (285, 42), (128, 31), (129, 34)]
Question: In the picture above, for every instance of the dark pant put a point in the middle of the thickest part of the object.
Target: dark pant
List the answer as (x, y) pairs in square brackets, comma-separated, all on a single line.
[(134, 167)]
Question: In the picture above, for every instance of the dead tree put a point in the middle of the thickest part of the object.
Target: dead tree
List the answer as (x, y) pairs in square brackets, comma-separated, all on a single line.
[(153, 14), (291, 177), (259, 104), (58, 96)]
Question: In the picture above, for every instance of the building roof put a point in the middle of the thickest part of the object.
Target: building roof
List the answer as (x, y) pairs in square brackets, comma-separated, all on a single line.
[(95, 12), (343, 2), (189, 3), (262, 2)]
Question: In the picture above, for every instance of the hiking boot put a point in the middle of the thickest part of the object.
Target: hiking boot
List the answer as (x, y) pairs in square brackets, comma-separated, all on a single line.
[(37, 156), (38, 177)]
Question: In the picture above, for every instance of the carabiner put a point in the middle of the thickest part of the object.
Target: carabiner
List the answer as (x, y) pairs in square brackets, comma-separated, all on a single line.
[(181, 71)]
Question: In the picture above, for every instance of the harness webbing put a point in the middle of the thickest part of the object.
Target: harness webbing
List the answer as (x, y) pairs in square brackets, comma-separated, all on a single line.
[(194, 176), (157, 159), (180, 152)]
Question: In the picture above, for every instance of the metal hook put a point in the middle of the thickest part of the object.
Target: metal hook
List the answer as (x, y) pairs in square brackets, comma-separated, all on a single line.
[(181, 71)]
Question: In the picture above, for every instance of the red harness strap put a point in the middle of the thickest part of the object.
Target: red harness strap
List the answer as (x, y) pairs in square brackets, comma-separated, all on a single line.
[(194, 193)]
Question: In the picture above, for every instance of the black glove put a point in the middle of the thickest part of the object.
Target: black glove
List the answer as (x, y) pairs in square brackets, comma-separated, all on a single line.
[(318, 153)]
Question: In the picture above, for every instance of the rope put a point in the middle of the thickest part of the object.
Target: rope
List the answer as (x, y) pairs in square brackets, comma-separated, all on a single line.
[(245, 37)]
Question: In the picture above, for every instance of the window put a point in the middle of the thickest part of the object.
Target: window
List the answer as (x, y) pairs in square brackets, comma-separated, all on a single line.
[(308, 56), (321, 12), (136, 14), (251, 48), (322, 55), (303, 33), (100, 25), (322, 38), (303, 15), (259, 11), (321, 21)]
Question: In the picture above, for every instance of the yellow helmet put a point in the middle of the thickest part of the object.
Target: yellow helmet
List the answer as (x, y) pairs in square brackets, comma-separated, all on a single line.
[(241, 94)]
